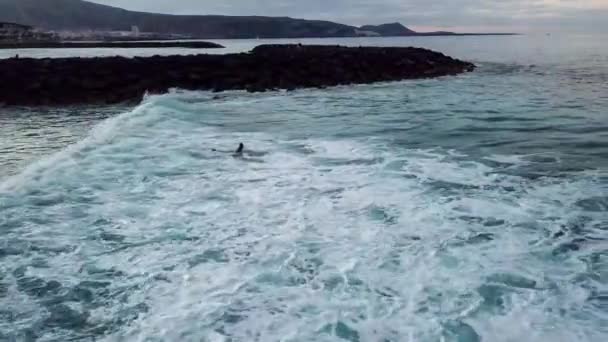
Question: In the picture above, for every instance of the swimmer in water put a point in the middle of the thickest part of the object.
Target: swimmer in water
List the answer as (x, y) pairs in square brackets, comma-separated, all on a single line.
[(239, 150), (238, 153)]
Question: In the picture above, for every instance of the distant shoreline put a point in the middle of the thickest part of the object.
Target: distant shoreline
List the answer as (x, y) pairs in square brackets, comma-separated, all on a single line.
[(429, 34), (85, 45), (197, 44), (432, 34)]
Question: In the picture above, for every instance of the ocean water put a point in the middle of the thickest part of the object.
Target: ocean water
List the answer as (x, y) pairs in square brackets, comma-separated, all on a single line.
[(467, 208)]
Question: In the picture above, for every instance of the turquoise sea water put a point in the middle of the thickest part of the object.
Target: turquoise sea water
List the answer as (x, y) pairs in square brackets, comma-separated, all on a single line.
[(468, 208)]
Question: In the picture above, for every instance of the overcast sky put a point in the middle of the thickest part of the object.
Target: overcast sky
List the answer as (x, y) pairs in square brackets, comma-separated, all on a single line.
[(456, 15)]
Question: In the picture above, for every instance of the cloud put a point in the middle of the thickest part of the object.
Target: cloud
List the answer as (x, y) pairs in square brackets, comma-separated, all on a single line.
[(471, 15)]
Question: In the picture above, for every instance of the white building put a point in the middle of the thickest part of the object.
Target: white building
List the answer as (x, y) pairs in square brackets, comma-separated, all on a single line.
[(135, 31)]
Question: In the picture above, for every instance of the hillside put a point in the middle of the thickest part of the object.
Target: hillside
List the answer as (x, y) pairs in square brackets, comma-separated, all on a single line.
[(83, 15), (78, 15), (393, 29)]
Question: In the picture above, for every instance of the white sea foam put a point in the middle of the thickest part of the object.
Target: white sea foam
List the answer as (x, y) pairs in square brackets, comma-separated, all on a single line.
[(303, 238)]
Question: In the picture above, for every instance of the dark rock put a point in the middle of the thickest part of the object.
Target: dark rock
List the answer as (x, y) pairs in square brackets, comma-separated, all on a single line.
[(106, 80)]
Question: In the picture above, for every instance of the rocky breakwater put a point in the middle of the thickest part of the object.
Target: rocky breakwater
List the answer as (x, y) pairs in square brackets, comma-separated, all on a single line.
[(65, 81)]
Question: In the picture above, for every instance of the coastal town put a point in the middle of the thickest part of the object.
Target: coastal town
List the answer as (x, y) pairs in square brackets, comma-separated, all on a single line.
[(15, 33)]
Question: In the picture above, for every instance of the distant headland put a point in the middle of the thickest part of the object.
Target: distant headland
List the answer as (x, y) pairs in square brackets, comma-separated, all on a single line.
[(83, 20)]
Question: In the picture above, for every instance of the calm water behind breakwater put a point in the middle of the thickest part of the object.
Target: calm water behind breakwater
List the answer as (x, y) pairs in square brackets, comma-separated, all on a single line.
[(469, 208)]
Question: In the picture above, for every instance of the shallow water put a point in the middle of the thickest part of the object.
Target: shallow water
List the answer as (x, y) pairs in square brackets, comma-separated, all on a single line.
[(468, 208)]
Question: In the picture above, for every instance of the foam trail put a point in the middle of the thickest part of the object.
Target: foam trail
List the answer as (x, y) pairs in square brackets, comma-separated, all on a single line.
[(101, 133)]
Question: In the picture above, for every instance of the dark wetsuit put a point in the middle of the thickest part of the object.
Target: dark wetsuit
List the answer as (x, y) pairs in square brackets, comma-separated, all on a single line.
[(240, 149)]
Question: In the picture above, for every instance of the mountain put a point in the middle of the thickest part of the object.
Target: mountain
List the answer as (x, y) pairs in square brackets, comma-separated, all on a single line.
[(79, 15), (393, 29), (83, 15)]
